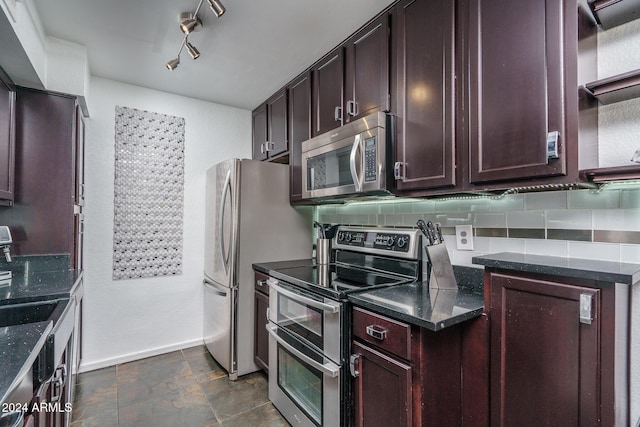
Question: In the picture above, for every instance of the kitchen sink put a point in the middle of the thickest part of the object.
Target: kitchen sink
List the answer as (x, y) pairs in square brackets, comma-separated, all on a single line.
[(20, 314)]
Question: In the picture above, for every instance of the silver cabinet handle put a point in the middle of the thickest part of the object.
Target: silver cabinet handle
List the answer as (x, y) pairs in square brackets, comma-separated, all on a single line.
[(397, 170), (376, 332), (352, 108), (354, 361), (337, 114), (273, 284), (328, 368), (352, 163), (262, 148), (223, 250)]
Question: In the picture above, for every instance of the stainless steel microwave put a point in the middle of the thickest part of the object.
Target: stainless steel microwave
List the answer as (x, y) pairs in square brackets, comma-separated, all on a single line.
[(353, 160)]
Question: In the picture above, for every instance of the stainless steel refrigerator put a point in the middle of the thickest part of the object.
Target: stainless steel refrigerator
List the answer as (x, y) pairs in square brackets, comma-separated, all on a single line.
[(248, 220)]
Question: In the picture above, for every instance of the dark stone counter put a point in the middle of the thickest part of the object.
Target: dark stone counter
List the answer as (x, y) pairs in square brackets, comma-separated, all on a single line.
[(606, 271)]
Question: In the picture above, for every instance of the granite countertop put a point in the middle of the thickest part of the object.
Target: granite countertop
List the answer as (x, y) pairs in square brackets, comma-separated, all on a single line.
[(433, 309), (34, 278), (607, 271), (19, 347), (413, 303), (38, 278)]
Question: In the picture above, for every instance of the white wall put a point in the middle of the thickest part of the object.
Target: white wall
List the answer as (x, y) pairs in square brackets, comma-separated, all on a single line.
[(129, 319)]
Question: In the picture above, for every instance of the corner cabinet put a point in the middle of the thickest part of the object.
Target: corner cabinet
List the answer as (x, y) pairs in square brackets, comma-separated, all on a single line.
[(7, 140), (522, 89), (424, 93), (46, 217), (270, 134)]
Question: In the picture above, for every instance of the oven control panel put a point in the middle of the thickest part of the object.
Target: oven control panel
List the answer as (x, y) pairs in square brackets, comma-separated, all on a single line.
[(392, 242)]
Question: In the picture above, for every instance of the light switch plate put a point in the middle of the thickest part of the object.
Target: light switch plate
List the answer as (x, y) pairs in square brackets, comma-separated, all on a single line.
[(464, 237)]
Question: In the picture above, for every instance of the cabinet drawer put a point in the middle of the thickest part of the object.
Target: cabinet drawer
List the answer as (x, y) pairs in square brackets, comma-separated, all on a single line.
[(385, 333), (260, 283)]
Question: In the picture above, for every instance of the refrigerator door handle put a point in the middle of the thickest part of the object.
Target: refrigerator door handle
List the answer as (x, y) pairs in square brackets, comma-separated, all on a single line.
[(215, 287), (223, 250)]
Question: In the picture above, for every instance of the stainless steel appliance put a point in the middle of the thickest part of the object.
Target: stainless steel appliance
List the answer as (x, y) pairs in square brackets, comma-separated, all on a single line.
[(248, 220), (309, 320), (353, 160)]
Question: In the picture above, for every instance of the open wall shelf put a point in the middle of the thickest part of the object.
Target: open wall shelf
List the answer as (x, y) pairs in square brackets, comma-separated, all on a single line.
[(610, 13), (616, 88)]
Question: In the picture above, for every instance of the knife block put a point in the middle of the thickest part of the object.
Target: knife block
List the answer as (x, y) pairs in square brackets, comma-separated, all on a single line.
[(441, 276)]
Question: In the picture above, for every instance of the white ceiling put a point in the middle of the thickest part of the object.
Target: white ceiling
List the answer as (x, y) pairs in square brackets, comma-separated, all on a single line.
[(247, 54)]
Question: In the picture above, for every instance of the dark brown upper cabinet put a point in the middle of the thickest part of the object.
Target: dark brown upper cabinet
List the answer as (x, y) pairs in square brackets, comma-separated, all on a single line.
[(328, 85), (353, 80), (46, 218), (424, 93), (367, 70), (270, 133), (522, 89), (7, 139), (299, 93)]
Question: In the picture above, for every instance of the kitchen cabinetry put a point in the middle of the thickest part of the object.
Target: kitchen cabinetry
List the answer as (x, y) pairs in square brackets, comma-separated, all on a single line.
[(424, 93), (261, 339), (353, 80), (46, 217), (299, 114), (404, 374), (521, 92), (552, 350), (7, 139), (270, 135)]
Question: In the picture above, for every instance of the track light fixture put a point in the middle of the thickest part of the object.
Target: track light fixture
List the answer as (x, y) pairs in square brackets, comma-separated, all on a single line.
[(189, 22)]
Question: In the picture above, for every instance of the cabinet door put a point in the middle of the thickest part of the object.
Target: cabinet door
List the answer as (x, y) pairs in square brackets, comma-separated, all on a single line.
[(367, 70), (277, 140), (259, 126), (7, 141), (261, 347), (544, 360), (78, 158), (424, 94), (382, 390), (328, 84), (299, 129), (515, 92)]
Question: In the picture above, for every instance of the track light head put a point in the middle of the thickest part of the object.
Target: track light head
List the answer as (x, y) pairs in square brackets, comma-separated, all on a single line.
[(195, 53), (217, 7), (173, 64), (189, 23)]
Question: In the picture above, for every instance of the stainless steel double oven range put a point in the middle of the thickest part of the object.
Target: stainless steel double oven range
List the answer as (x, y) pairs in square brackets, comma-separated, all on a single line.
[(310, 320)]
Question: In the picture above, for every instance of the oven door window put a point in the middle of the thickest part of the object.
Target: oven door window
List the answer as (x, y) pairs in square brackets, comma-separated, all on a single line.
[(330, 169), (301, 382), (301, 320)]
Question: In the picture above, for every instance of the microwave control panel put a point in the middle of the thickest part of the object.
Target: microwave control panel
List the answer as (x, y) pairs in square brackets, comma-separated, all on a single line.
[(370, 159)]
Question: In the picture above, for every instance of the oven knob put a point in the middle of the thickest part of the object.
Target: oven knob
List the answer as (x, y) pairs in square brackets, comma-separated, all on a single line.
[(341, 236), (402, 241), (390, 241), (348, 237)]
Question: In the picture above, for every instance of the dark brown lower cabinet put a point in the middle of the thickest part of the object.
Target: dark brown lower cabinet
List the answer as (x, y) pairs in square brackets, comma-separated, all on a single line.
[(550, 352), (406, 375), (261, 339)]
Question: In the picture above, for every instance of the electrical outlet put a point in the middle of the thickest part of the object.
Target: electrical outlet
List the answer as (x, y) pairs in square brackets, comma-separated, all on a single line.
[(464, 237)]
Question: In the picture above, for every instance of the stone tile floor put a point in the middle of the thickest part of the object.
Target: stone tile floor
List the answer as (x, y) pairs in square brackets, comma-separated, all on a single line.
[(182, 388)]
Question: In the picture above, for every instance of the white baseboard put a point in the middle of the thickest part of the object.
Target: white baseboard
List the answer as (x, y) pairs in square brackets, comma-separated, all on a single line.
[(105, 363)]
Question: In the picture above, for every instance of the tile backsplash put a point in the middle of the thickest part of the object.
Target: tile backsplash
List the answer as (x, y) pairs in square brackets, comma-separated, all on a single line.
[(594, 224)]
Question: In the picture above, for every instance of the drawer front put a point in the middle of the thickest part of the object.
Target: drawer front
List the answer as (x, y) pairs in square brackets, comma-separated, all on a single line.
[(384, 333), (261, 283)]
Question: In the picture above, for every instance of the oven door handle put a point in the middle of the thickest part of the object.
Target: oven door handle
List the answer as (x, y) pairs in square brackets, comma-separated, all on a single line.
[(329, 368), (273, 284)]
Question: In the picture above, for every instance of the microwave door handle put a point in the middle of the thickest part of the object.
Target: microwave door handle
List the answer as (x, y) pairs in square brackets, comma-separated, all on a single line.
[(273, 284), (329, 368), (353, 163)]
